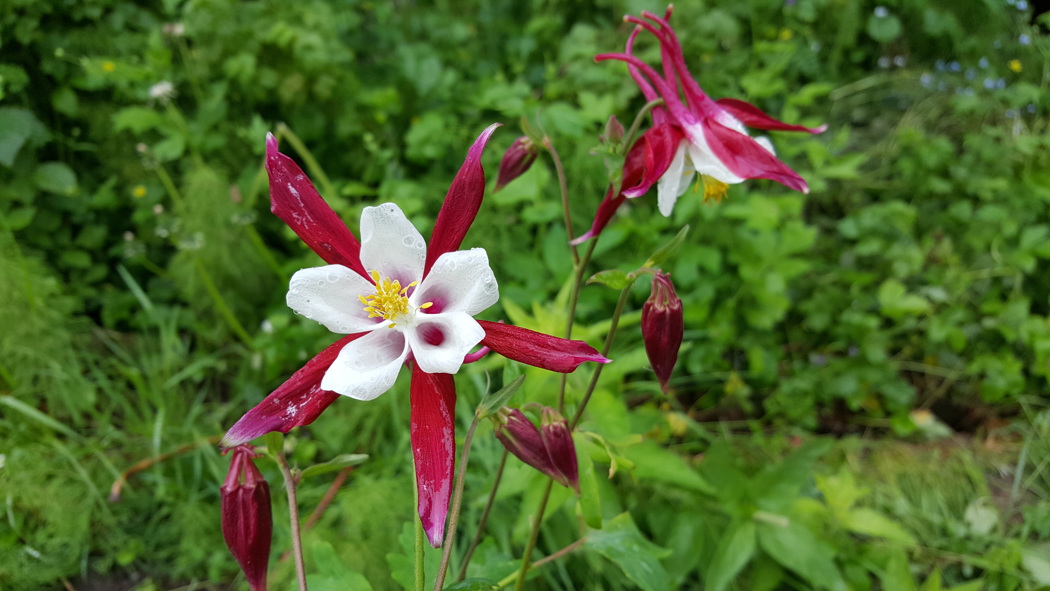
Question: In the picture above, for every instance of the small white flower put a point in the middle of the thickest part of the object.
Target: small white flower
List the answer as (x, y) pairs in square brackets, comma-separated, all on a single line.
[(162, 91), (881, 12)]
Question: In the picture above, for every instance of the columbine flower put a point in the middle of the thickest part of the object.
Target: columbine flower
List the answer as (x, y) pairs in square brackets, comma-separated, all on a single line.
[(714, 141), (247, 518), (662, 327), (397, 301)]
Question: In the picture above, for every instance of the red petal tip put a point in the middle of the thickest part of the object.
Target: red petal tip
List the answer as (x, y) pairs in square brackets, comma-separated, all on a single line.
[(271, 144)]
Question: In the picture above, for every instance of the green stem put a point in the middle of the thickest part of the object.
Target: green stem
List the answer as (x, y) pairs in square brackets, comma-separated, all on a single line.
[(457, 502), (222, 306), (533, 536), (316, 172), (563, 186), (484, 517), (293, 516), (420, 536), (514, 576), (574, 296), (605, 353), (649, 106)]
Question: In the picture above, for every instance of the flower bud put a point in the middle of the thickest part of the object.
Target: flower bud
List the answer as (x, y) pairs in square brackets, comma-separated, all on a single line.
[(247, 521), (557, 439), (614, 131), (521, 438), (662, 327), (516, 160)]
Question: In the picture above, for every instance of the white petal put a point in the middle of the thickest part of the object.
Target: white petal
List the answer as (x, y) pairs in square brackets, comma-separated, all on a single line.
[(674, 182), (765, 143), (459, 281), (391, 245), (439, 341), (704, 160), (329, 295), (367, 367)]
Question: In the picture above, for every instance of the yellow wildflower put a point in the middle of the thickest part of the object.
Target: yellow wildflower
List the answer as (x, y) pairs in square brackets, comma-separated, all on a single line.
[(1014, 65), (108, 66), (139, 191)]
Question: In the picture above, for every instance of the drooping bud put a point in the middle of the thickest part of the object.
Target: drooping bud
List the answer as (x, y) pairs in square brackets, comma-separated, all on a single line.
[(247, 521), (521, 437), (557, 438), (662, 327), (516, 160)]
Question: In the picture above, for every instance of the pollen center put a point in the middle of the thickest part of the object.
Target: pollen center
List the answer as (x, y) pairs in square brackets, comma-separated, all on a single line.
[(390, 300), (714, 189)]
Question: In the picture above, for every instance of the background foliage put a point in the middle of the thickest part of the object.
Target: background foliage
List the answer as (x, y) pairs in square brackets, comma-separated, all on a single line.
[(902, 304)]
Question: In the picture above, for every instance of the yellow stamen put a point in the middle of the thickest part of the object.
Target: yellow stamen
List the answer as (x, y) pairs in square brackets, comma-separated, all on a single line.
[(390, 301), (714, 189)]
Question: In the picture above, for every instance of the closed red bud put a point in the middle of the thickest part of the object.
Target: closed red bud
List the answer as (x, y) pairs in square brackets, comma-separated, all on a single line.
[(247, 521), (516, 160), (523, 439), (662, 327), (562, 451)]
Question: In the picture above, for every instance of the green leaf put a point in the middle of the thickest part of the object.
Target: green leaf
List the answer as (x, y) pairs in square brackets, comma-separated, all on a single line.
[(668, 250), (20, 217), (331, 572), (896, 303), (16, 126), (798, 550), (637, 557), (612, 279), (896, 574), (777, 486), (474, 585), (1036, 560), (56, 177), (653, 463), (136, 119), (336, 463), (872, 523), (590, 494), (493, 402), (735, 550), (884, 28)]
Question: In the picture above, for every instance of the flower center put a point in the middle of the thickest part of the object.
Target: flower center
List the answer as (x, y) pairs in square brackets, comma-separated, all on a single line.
[(714, 189), (390, 300)]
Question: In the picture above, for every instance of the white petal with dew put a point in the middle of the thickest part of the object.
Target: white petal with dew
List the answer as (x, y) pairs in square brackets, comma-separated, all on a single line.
[(460, 281), (367, 367), (391, 245), (329, 295), (674, 182), (460, 333)]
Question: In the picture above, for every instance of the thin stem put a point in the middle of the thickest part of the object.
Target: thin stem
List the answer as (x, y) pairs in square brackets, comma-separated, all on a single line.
[(118, 484), (573, 546), (484, 517), (533, 536), (328, 497), (420, 573), (649, 106), (457, 501), (316, 172), (563, 185), (574, 297), (293, 516), (605, 352)]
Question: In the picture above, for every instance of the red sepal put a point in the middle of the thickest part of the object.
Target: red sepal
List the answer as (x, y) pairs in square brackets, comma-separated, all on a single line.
[(296, 402), (433, 399), (537, 349), (461, 203), (752, 116), (294, 199)]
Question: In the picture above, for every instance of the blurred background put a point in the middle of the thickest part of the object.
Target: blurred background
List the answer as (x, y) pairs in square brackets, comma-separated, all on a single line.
[(869, 361)]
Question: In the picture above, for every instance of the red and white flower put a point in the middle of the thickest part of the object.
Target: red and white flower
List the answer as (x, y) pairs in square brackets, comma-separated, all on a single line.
[(712, 134), (397, 301)]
